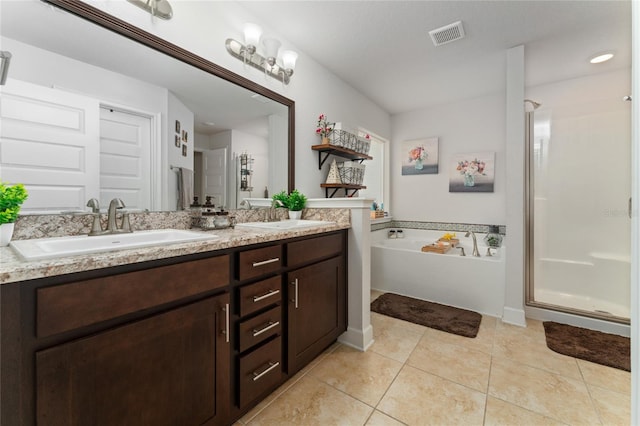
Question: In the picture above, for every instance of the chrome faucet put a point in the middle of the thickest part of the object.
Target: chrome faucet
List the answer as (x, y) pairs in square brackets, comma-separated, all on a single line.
[(112, 227), (476, 253), (246, 204), (271, 214)]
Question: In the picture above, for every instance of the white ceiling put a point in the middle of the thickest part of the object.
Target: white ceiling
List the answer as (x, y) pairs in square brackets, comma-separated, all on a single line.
[(383, 49)]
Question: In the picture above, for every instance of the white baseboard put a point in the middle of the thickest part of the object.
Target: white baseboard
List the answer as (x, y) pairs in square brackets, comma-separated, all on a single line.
[(514, 316), (357, 339)]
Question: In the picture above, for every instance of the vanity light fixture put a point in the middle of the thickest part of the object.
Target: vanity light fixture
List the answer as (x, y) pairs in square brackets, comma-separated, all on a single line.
[(601, 57), (5, 59), (160, 8), (268, 63)]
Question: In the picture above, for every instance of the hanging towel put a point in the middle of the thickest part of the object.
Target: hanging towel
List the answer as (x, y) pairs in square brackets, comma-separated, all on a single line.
[(185, 188)]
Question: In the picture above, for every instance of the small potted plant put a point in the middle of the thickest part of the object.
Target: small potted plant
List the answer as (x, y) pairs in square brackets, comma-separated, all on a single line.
[(11, 198), (294, 201)]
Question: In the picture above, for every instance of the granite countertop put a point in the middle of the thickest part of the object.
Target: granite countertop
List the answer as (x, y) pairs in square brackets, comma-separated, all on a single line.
[(14, 269)]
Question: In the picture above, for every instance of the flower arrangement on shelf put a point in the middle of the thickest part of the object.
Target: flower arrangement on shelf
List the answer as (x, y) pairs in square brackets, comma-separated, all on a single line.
[(324, 128), (471, 168)]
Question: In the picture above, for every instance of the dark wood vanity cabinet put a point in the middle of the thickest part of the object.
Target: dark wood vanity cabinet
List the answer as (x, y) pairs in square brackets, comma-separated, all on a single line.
[(168, 369), (182, 341), (317, 297), (143, 344)]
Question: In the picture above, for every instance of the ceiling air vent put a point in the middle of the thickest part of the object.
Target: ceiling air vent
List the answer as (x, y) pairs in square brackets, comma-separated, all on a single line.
[(447, 34)]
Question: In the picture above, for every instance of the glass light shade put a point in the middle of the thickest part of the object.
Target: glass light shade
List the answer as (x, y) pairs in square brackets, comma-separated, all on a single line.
[(271, 47), (289, 58), (252, 34)]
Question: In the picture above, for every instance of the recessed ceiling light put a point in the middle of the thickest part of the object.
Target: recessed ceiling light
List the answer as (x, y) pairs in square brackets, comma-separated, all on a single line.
[(209, 123), (601, 57)]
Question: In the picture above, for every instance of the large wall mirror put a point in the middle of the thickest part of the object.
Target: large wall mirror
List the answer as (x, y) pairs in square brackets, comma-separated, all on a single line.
[(96, 108)]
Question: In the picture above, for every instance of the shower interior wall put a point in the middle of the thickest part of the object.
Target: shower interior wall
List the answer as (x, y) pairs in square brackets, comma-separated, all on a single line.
[(582, 237)]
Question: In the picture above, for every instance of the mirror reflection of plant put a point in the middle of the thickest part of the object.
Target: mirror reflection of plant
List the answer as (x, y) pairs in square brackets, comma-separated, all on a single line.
[(11, 198), (294, 201)]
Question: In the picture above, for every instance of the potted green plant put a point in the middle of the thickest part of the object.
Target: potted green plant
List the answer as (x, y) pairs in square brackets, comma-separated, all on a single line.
[(11, 198), (294, 201)]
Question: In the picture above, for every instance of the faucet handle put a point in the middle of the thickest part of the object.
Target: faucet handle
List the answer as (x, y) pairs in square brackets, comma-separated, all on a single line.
[(94, 204), (96, 226), (126, 224)]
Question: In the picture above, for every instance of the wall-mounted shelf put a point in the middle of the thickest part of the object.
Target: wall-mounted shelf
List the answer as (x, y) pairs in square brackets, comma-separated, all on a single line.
[(339, 151), (336, 186)]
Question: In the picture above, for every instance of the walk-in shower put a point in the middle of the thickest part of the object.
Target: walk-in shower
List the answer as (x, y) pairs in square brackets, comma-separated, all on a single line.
[(578, 187)]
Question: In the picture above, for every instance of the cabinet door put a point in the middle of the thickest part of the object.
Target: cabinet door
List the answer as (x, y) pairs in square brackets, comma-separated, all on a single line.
[(169, 369), (317, 310)]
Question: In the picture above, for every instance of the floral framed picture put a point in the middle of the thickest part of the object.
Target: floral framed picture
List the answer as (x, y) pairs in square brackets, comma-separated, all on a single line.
[(472, 172), (420, 157)]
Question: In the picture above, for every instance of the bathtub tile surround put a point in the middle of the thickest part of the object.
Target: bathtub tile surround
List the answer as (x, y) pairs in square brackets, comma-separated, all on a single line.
[(484, 387), (437, 226)]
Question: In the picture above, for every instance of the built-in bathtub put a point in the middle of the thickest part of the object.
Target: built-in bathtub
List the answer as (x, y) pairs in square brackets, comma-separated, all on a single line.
[(476, 283)]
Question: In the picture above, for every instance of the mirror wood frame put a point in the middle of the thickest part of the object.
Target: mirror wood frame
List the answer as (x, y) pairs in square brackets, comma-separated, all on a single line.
[(145, 38)]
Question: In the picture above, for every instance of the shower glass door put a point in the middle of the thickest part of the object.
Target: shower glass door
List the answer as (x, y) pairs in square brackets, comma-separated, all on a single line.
[(579, 183)]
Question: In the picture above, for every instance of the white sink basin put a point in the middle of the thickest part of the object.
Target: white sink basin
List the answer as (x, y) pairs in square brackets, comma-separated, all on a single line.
[(285, 224), (46, 248)]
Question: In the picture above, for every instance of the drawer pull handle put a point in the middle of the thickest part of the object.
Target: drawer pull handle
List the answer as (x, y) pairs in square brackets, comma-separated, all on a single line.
[(226, 322), (268, 327), (266, 295), (266, 262), (295, 293), (271, 366)]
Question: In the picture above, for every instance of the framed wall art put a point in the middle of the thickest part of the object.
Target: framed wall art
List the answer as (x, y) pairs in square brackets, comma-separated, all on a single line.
[(472, 172), (420, 157)]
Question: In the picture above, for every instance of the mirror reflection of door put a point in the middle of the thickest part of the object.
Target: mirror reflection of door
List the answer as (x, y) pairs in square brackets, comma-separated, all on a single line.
[(49, 140), (210, 176), (125, 140)]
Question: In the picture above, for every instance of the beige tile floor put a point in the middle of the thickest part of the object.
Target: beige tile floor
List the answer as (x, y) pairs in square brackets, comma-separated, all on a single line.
[(414, 375)]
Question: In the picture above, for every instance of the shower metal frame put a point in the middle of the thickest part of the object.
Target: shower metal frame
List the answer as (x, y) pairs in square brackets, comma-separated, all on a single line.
[(529, 206)]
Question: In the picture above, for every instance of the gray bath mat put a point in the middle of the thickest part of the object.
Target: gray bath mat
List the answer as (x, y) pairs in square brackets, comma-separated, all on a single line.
[(434, 315)]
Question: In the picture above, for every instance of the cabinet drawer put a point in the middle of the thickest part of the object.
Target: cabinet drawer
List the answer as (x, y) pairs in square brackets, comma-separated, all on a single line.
[(260, 370), (314, 248), (78, 304), (260, 328), (256, 262), (259, 295)]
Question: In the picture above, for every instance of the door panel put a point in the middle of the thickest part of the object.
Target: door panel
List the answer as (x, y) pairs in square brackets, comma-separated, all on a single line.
[(49, 141), (125, 172)]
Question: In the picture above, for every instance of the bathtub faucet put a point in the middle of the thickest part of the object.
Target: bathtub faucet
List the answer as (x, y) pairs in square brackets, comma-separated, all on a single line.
[(476, 253)]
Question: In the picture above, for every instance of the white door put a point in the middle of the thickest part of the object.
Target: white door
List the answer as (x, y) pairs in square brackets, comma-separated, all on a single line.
[(125, 171), (214, 175), (49, 141)]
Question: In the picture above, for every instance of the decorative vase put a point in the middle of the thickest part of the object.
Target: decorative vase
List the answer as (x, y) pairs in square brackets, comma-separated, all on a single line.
[(6, 232), (493, 238), (469, 180), (325, 140), (297, 214), (419, 164)]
